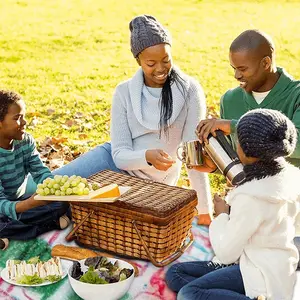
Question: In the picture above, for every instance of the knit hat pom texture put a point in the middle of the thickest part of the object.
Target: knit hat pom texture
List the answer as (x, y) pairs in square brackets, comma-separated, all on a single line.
[(146, 31), (266, 134)]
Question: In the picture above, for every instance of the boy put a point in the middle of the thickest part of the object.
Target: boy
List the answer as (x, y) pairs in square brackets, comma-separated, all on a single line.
[(22, 217)]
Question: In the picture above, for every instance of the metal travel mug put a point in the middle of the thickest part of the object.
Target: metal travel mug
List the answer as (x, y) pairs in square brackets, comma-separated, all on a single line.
[(193, 153)]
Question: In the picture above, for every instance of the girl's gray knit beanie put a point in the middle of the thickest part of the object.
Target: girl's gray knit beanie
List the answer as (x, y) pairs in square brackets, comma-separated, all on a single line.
[(266, 134)]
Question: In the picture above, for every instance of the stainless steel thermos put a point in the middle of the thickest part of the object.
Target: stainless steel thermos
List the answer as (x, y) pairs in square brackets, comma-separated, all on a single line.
[(226, 159)]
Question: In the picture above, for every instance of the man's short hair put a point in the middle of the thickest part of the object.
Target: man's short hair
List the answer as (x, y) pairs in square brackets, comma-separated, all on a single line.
[(254, 40)]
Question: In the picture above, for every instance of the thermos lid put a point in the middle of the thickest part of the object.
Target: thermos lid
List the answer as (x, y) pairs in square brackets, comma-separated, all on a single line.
[(239, 178)]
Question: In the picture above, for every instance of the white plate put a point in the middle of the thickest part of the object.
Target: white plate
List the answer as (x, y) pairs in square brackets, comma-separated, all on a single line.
[(4, 276), (86, 198)]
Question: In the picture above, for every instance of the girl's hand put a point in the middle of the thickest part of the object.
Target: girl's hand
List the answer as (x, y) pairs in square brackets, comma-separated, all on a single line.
[(220, 205), (159, 159)]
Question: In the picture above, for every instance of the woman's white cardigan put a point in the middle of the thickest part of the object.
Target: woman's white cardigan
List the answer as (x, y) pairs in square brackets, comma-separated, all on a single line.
[(259, 234), (135, 129)]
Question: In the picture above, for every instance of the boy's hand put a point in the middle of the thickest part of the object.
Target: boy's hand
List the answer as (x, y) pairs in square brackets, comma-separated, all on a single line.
[(220, 205), (159, 159), (38, 202), (30, 203)]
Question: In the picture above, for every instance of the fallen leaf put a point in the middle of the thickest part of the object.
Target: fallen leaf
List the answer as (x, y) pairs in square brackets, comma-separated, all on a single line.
[(47, 141), (83, 136), (56, 163), (88, 125), (50, 111), (78, 115), (55, 153), (33, 114), (33, 122), (59, 140), (187, 182), (79, 143), (69, 123), (76, 153)]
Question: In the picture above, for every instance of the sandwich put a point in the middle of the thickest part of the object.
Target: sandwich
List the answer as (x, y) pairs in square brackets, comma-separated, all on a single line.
[(34, 271)]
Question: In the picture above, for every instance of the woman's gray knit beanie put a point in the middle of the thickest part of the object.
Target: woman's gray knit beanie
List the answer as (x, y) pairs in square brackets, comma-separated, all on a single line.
[(146, 31)]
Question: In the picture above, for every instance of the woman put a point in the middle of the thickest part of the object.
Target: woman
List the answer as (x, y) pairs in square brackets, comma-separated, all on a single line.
[(152, 114)]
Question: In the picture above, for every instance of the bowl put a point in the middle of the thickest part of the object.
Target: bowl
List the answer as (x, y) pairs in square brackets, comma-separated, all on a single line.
[(110, 291)]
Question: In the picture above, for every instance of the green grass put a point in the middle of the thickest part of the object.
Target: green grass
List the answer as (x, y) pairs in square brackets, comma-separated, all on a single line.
[(68, 55)]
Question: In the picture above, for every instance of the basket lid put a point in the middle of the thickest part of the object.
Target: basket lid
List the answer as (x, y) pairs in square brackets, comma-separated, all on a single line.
[(146, 196)]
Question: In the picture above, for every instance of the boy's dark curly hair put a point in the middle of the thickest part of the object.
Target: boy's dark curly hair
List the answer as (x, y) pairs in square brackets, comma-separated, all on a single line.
[(7, 98)]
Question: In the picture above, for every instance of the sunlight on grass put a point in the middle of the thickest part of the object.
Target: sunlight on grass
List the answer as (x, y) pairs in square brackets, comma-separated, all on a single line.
[(70, 55)]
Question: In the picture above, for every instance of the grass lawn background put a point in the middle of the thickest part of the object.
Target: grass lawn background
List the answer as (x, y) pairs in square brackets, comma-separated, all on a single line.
[(66, 56)]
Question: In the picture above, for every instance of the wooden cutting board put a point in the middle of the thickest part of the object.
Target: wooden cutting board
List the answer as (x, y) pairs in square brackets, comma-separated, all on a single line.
[(84, 198)]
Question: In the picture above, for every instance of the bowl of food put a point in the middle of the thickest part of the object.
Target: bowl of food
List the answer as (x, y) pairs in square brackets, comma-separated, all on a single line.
[(101, 276)]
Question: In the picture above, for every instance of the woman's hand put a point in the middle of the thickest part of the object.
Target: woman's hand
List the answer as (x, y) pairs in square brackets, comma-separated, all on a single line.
[(205, 127), (220, 205), (159, 159)]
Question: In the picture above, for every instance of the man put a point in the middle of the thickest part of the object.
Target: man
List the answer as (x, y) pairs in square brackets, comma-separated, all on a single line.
[(262, 85)]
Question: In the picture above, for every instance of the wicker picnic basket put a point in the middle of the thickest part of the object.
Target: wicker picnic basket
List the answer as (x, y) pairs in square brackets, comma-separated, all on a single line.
[(151, 221)]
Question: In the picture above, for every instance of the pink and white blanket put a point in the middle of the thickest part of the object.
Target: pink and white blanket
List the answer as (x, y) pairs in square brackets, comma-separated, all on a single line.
[(149, 285)]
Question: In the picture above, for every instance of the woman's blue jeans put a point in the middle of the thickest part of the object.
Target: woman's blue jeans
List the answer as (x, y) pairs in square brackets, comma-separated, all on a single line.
[(91, 162), (205, 280)]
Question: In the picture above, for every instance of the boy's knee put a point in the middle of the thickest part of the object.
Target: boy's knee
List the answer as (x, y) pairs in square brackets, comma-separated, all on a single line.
[(60, 207), (64, 207)]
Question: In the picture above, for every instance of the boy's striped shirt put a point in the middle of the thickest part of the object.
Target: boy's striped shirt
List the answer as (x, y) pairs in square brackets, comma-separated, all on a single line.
[(15, 165)]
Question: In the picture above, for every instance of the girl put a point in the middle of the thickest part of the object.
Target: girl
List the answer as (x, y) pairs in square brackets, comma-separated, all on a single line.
[(254, 239)]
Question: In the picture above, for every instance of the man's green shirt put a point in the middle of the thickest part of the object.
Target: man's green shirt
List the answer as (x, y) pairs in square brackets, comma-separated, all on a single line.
[(284, 96)]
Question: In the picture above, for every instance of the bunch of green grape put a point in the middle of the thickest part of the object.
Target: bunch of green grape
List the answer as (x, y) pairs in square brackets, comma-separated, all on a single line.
[(65, 186)]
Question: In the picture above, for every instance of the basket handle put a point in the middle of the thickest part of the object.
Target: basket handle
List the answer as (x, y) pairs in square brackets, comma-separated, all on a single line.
[(71, 234), (169, 259)]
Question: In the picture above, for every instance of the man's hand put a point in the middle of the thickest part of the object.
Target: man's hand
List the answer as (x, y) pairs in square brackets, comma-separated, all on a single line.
[(220, 205), (207, 126), (159, 159)]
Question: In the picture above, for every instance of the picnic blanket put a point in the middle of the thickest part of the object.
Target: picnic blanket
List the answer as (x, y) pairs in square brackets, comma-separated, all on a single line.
[(149, 285)]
